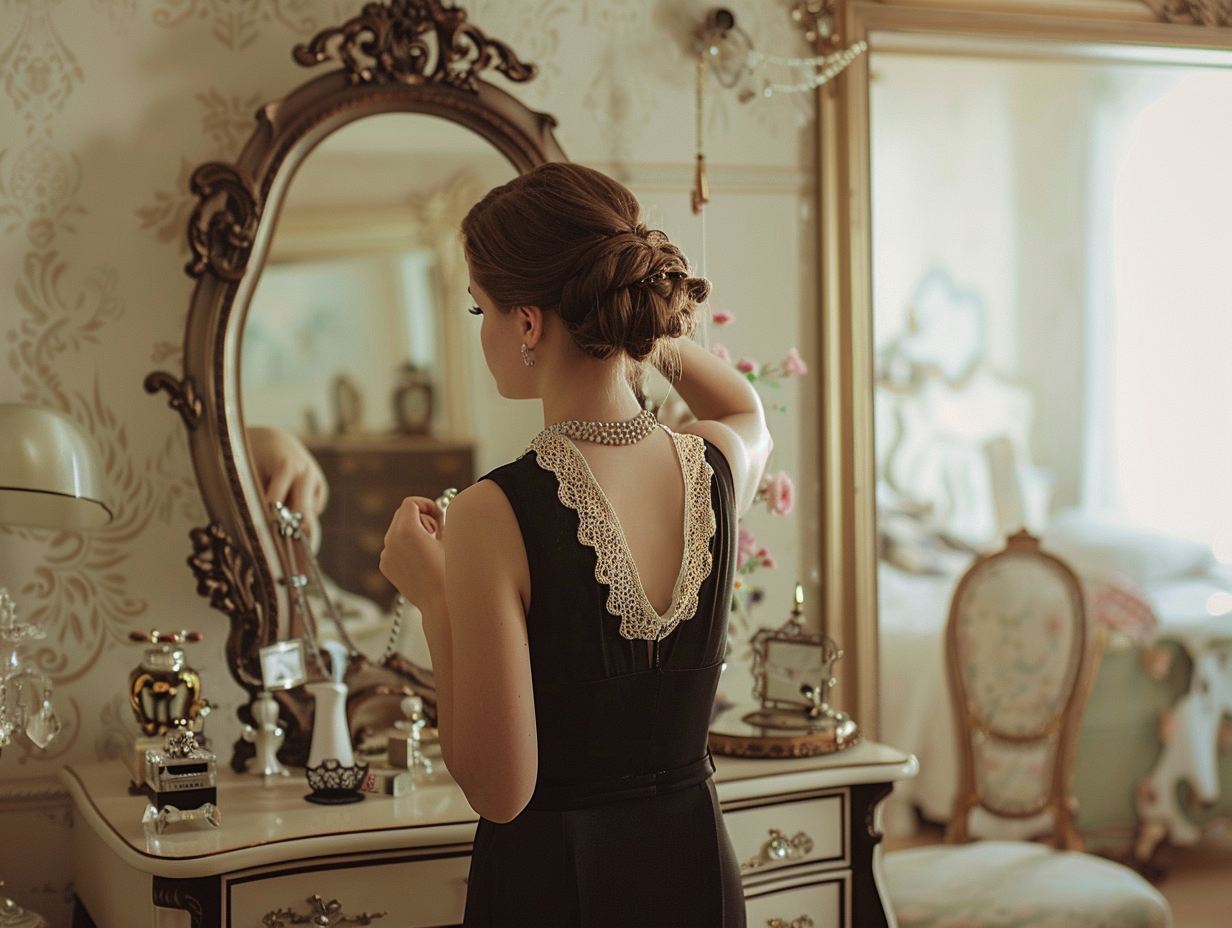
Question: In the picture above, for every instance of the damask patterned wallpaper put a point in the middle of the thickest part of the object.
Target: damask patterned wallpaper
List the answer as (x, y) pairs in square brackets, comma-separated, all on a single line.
[(108, 105)]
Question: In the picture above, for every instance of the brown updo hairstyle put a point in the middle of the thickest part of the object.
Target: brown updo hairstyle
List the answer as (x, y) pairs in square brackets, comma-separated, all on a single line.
[(569, 239)]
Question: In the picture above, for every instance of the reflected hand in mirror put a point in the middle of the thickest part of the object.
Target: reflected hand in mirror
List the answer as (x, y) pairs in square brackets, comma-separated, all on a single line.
[(290, 475)]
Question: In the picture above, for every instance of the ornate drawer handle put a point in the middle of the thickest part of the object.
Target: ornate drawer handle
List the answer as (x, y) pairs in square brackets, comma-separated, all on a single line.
[(802, 922), (779, 848), (325, 914)]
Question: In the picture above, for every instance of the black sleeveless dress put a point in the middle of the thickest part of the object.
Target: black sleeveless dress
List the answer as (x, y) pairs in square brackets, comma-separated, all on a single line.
[(624, 828)]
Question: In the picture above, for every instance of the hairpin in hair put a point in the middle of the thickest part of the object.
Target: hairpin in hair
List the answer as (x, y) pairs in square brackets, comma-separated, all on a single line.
[(674, 273), (656, 239)]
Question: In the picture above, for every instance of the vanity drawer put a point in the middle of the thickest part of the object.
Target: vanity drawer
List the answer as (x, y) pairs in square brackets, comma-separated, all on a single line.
[(416, 891), (815, 905), (787, 834)]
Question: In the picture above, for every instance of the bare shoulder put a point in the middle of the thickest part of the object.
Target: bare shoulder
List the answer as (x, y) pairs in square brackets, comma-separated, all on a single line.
[(482, 535), (481, 499), (730, 445)]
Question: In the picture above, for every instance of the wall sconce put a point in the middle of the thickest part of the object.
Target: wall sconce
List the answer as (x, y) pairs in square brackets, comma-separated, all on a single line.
[(726, 50), (816, 19)]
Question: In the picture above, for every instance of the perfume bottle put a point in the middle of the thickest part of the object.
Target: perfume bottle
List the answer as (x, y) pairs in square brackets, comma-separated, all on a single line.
[(164, 691)]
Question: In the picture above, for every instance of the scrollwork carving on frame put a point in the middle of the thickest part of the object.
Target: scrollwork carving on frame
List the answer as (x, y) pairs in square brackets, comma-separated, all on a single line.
[(1193, 12), (227, 578), (222, 227), (408, 56), (393, 38), (182, 395)]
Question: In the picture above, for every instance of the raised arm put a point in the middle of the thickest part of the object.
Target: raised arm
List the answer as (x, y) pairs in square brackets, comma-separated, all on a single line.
[(729, 415)]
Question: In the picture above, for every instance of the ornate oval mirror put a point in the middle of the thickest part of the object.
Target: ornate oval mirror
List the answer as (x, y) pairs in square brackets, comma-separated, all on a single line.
[(330, 304)]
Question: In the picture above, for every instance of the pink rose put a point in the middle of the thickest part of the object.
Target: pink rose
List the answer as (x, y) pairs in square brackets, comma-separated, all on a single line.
[(794, 364), (721, 353), (779, 493), (745, 547), (722, 317), (746, 366), (767, 560)]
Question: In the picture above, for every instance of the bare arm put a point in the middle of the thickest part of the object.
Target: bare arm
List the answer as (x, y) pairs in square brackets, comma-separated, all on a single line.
[(495, 754), (473, 590), (729, 414)]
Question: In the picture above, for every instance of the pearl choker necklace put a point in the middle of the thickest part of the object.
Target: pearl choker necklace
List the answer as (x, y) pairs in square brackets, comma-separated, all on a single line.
[(628, 432)]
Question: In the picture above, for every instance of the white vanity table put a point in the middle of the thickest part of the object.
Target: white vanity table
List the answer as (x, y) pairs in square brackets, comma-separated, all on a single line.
[(409, 856)]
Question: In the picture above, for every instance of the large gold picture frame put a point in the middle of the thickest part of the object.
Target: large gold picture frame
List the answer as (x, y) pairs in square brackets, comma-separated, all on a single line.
[(848, 537)]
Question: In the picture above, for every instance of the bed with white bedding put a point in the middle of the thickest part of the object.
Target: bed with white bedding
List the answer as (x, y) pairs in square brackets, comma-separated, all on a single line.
[(955, 477)]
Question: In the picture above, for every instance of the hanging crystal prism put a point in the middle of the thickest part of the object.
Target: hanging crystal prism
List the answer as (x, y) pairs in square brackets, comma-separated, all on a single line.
[(44, 725), (18, 681), (6, 724)]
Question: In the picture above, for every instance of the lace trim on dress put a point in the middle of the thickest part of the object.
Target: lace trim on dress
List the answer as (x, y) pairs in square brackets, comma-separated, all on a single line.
[(599, 529)]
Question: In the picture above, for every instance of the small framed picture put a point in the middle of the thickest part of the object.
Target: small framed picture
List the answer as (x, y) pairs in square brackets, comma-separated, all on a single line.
[(789, 666), (282, 665)]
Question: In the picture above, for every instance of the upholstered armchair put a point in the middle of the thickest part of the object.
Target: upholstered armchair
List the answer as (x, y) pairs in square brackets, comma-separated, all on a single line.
[(1020, 662)]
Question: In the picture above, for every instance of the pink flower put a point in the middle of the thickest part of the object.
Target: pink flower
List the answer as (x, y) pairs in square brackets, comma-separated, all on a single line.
[(767, 559), (746, 365), (794, 364), (722, 317), (745, 547), (721, 353), (779, 493)]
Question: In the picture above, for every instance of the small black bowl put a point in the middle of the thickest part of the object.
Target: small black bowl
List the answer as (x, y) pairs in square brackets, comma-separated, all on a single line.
[(335, 785)]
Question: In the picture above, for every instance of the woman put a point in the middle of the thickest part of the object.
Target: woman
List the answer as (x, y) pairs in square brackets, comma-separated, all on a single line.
[(576, 631)]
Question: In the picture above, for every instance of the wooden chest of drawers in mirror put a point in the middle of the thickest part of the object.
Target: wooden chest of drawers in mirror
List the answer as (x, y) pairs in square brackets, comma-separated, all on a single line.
[(369, 476)]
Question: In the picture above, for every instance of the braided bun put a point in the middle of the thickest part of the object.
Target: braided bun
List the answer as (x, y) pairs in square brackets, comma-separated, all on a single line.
[(569, 239)]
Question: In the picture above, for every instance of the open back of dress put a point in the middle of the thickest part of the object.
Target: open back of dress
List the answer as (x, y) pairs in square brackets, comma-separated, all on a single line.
[(624, 827)]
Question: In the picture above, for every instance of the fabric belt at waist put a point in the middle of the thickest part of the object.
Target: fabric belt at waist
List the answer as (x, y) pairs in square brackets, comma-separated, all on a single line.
[(580, 795)]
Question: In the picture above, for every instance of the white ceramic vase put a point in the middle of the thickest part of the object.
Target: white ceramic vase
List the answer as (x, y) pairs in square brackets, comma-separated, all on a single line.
[(330, 736)]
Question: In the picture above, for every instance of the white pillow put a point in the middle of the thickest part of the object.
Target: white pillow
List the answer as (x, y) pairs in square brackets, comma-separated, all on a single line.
[(1098, 548)]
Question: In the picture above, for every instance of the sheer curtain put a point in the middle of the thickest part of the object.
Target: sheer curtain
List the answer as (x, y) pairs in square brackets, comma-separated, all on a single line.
[(1158, 402)]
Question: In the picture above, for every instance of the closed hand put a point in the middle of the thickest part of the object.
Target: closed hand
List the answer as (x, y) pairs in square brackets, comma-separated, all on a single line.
[(413, 559)]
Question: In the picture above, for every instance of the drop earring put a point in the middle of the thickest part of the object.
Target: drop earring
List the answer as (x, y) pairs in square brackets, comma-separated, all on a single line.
[(526, 358)]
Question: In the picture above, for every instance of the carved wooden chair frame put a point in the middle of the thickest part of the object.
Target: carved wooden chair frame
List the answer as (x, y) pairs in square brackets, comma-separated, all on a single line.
[(1065, 723), (412, 56)]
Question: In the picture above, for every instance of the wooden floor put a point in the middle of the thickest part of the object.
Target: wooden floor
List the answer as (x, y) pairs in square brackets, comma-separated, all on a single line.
[(1197, 882)]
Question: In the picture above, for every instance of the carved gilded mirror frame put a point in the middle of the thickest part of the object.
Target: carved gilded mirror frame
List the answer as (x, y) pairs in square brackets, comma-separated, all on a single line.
[(409, 56), (845, 333)]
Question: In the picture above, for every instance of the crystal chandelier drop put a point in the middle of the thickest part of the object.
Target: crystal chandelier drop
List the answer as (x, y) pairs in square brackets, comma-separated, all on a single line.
[(25, 691)]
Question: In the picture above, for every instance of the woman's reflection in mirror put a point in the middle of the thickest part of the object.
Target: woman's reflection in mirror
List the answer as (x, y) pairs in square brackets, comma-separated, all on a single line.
[(576, 602)]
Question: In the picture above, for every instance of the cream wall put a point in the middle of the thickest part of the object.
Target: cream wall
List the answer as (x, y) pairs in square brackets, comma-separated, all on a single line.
[(105, 108)]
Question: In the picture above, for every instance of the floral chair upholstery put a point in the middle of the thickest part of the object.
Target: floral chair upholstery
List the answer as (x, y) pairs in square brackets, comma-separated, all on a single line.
[(1020, 670)]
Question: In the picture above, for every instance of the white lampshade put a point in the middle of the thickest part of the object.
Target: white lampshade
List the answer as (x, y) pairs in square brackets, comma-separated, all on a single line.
[(50, 475)]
